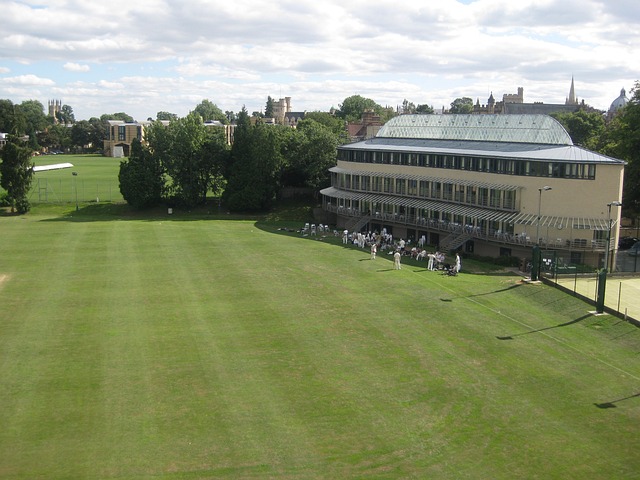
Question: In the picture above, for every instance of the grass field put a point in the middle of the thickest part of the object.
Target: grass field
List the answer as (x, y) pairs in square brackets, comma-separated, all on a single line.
[(204, 347), (97, 180)]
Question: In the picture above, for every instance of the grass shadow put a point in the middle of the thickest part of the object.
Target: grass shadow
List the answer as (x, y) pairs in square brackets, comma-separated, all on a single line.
[(566, 324), (612, 403)]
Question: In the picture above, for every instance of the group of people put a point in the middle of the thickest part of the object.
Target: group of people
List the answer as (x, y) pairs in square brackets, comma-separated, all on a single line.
[(378, 242)]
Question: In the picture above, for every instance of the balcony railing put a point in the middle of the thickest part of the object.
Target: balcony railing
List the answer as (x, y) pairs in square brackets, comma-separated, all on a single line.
[(494, 236)]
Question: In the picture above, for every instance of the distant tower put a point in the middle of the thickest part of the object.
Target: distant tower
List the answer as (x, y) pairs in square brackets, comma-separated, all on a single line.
[(491, 104), (55, 106), (572, 100), (618, 103)]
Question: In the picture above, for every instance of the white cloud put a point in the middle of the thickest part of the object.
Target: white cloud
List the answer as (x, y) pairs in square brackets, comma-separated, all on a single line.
[(76, 67), (167, 55), (27, 80)]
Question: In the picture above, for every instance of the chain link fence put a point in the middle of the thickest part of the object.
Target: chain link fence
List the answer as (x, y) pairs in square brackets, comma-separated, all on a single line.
[(74, 190)]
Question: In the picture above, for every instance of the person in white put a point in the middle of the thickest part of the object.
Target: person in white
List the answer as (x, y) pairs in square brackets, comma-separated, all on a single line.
[(432, 257), (345, 237), (396, 261), (458, 263), (374, 250)]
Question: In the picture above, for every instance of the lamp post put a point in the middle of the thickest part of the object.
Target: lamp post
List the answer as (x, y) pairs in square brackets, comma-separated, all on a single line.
[(602, 277), (546, 188), (536, 254), (75, 185)]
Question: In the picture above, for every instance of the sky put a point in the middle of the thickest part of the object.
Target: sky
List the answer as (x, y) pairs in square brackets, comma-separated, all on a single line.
[(146, 56)]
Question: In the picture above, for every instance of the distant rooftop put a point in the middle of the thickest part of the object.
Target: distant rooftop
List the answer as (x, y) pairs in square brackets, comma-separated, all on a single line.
[(535, 129)]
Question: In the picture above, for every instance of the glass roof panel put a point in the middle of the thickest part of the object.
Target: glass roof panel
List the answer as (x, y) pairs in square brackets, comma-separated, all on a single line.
[(538, 129)]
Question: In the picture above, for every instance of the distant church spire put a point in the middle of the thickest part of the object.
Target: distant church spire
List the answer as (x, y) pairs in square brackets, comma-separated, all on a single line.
[(572, 100)]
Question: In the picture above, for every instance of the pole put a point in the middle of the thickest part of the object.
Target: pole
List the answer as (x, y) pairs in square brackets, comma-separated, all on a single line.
[(75, 184), (602, 275)]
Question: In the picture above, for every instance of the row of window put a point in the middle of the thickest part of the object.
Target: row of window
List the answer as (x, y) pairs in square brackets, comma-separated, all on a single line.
[(502, 166), (431, 190), (122, 132)]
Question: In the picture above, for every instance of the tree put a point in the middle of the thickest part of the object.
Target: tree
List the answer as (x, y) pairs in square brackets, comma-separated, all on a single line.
[(192, 155), (88, 134), (210, 111), (584, 128), (16, 173), (231, 116), (408, 107), (34, 120), (166, 116), (65, 115), (352, 108), (268, 109), (55, 137), (333, 123), (256, 163), (622, 140), (424, 109), (141, 177), (461, 105), (310, 154), (7, 112), (124, 117)]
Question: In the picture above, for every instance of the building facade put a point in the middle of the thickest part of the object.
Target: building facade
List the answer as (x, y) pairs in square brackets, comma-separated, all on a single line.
[(488, 184), (120, 135)]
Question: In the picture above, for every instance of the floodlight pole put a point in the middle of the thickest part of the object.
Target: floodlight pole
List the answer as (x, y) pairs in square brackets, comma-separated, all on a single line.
[(602, 276), (75, 184), (546, 188), (536, 255)]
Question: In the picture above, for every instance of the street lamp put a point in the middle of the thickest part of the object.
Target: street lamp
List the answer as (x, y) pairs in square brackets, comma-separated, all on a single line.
[(75, 184), (546, 188), (602, 277), (536, 254)]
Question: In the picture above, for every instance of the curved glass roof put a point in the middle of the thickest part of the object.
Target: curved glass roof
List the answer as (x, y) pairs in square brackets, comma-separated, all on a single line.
[(538, 129)]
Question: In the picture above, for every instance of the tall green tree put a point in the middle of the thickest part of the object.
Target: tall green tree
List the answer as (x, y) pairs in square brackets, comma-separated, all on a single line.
[(256, 163), (166, 116), (461, 105), (210, 111), (65, 115), (623, 141), (332, 122), (424, 109), (125, 117), (310, 154), (352, 108), (268, 109), (192, 155), (35, 120), (7, 112), (141, 177), (584, 128), (16, 173)]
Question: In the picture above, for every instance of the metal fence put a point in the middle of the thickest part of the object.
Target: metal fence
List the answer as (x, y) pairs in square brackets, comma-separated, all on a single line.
[(73, 190), (622, 293)]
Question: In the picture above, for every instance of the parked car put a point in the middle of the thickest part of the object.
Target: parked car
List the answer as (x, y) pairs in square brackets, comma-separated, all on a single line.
[(625, 243), (635, 250)]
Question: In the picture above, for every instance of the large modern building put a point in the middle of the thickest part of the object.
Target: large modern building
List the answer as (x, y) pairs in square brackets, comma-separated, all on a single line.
[(489, 184)]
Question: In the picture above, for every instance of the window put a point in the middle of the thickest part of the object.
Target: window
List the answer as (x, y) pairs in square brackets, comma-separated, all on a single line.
[(424, 189), (122, 132)]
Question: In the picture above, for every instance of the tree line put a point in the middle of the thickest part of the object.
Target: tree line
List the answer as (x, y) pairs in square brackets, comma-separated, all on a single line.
[(184, 160), (180, 163)]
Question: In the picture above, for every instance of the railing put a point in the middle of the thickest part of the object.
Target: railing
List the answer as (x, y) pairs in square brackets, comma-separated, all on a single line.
[(474, 231)]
